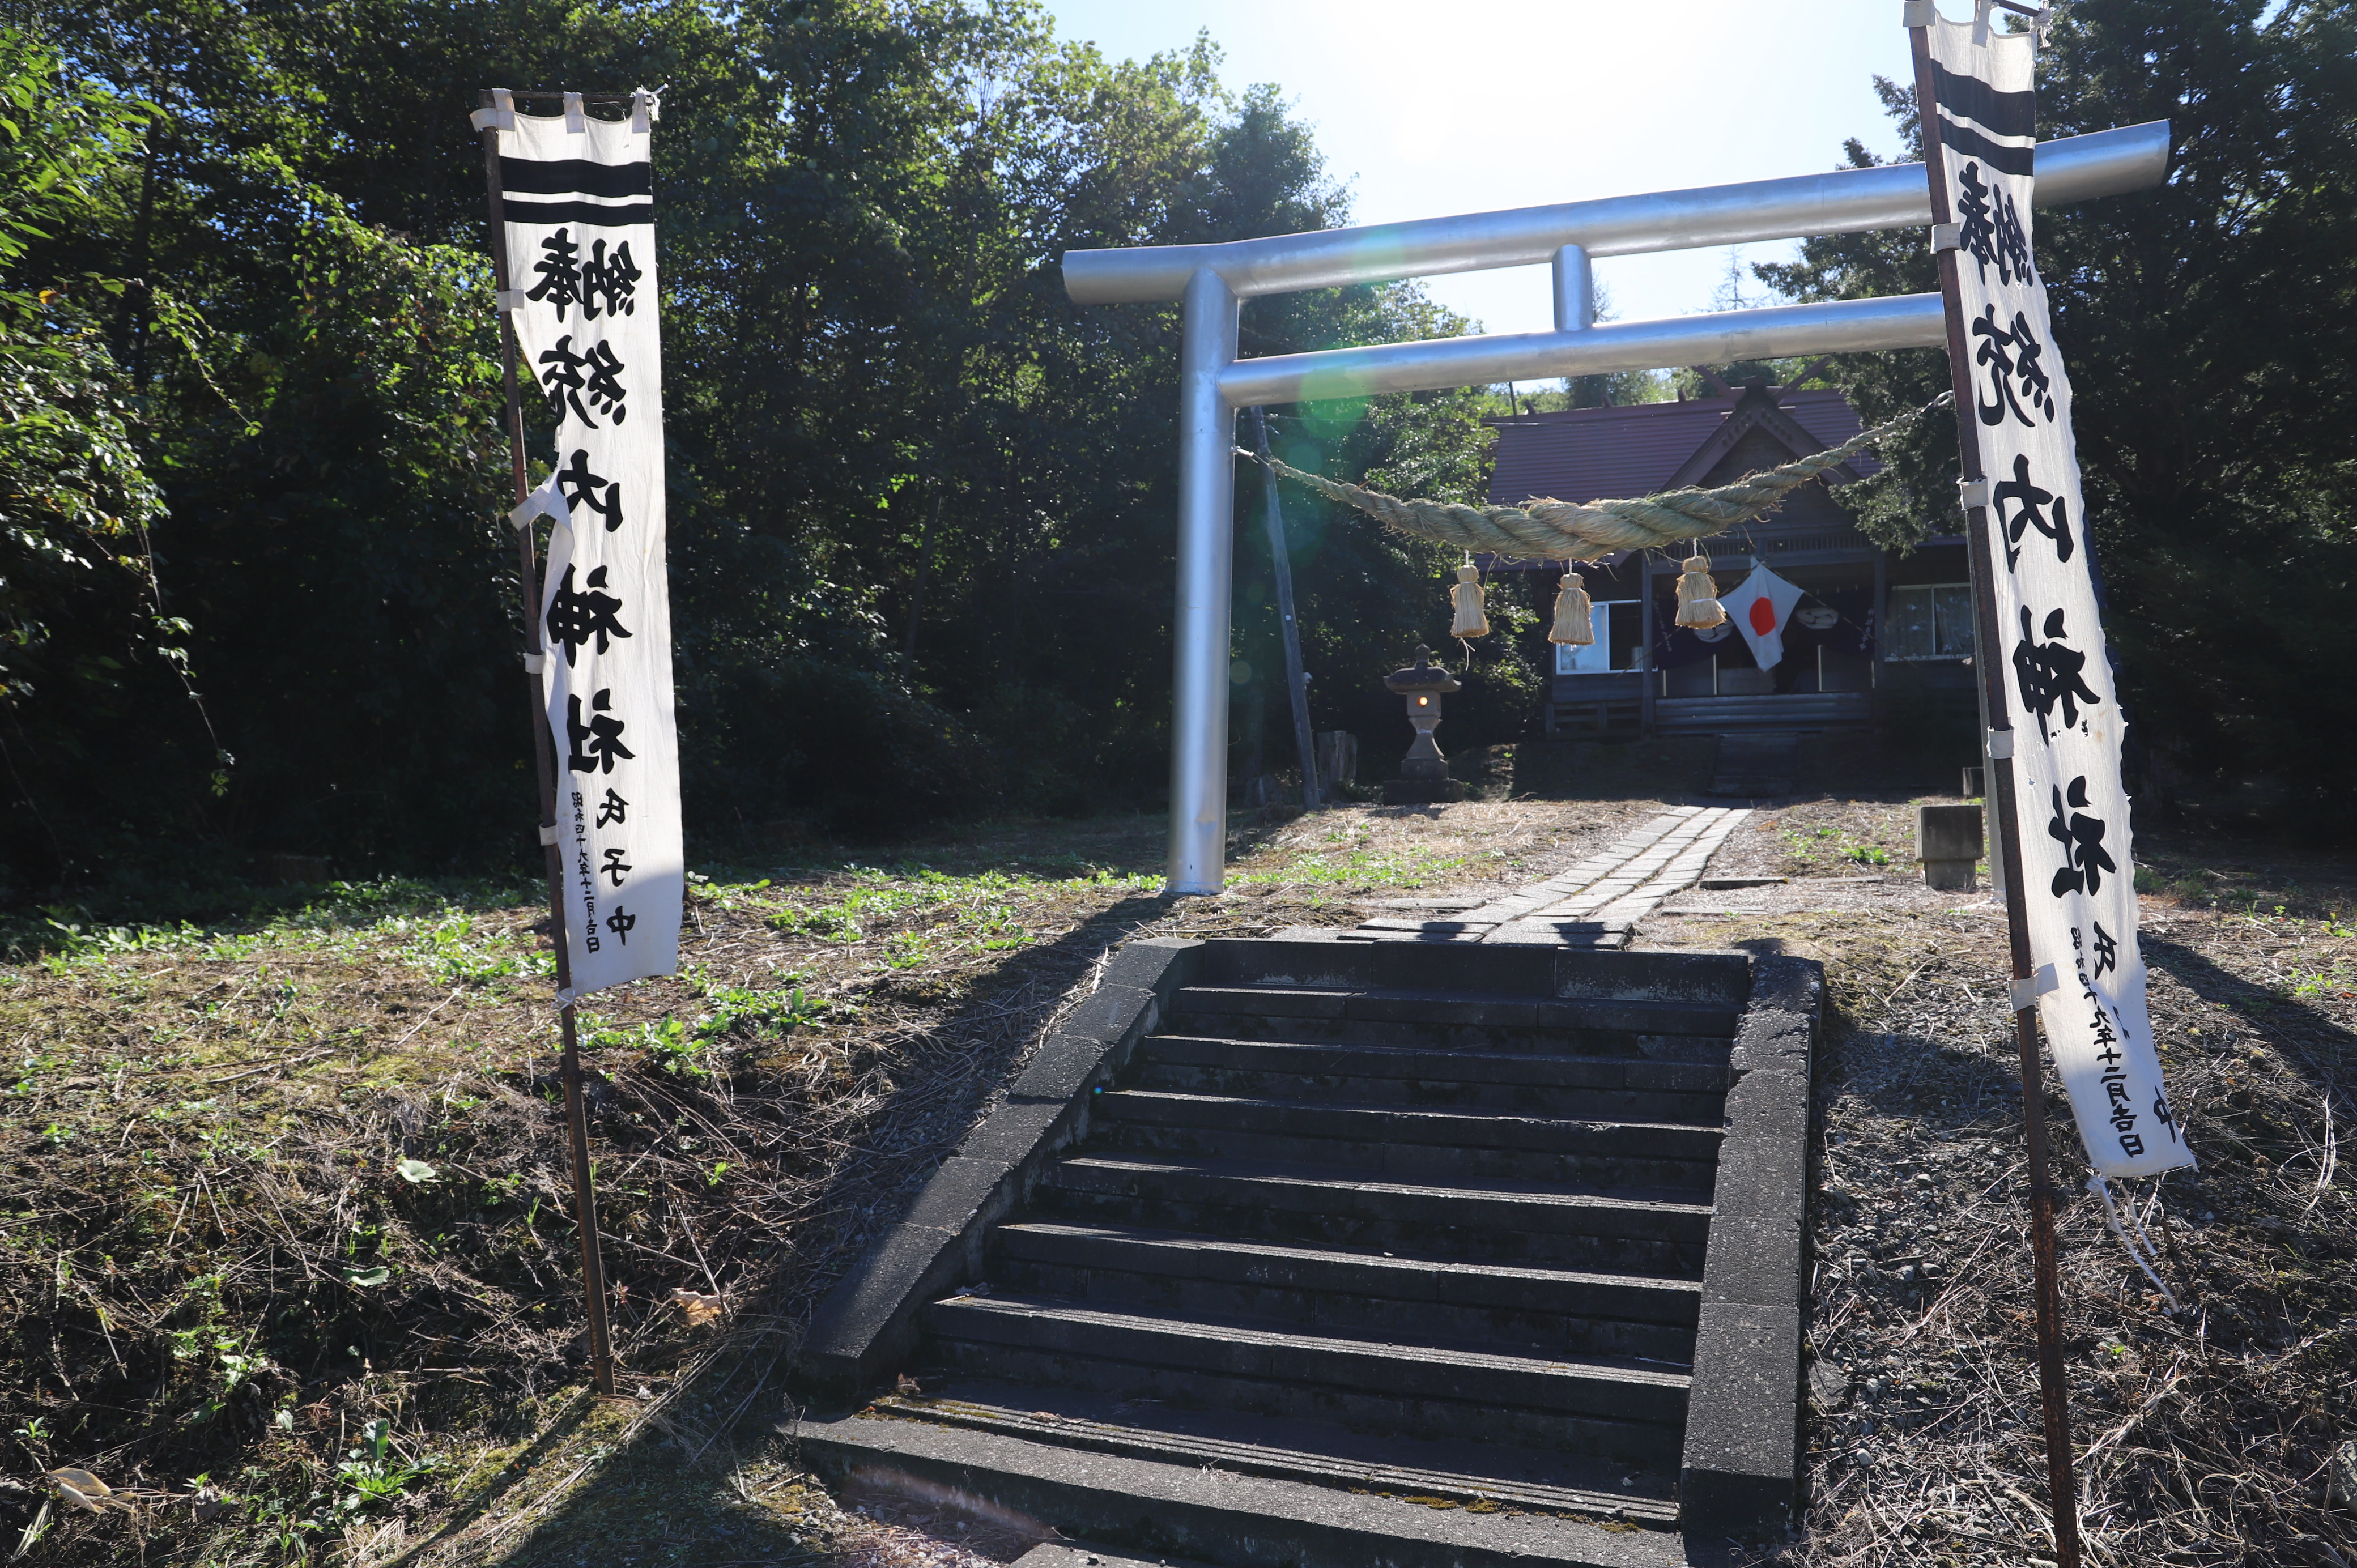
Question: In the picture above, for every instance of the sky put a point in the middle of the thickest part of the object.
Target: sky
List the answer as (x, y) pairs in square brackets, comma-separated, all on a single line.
[(1430, 109)]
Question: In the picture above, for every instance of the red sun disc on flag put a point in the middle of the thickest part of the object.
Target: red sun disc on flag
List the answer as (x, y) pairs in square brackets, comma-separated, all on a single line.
[(1763, 616)]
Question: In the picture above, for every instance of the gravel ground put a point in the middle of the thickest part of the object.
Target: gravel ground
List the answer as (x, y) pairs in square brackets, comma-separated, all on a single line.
[(2204, 1433)]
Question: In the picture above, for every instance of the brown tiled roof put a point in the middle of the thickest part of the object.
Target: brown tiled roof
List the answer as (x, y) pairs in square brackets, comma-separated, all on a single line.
[(1590, 453)]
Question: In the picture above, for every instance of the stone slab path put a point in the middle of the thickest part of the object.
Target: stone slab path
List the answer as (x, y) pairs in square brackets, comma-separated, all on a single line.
[(1594, 903)]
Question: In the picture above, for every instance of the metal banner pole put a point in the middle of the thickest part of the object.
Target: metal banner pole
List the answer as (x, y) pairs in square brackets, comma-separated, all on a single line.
[(584, 1202), (1281, 562), (1207, 503), (2054, 1388)]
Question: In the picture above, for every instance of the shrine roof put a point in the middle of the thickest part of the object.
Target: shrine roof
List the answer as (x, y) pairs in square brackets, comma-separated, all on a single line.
[(1590, 453)]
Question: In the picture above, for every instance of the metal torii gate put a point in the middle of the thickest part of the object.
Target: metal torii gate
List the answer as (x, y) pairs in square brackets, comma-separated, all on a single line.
[(1214, 279)]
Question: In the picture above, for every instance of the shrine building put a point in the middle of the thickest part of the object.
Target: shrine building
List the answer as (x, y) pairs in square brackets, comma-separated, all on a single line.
[(1870, 633)]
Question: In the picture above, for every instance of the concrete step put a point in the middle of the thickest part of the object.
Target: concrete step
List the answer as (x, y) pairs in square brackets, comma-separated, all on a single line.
[(1630, 1088), (1551, 1312), (1618, 1411), (1500, 974), (1073, 1555), (1499, 1475), (1656, 1236), (1704, 1048), (1199, 1510), (1416, 1144), (1543, 1022)]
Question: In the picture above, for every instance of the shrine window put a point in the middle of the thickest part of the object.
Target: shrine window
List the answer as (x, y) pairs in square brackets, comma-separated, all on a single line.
[(1620, 629), (1930, 620)]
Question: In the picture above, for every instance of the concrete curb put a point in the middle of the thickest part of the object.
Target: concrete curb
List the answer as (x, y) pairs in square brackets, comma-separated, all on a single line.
[(867, 1325), (1740, 1473)]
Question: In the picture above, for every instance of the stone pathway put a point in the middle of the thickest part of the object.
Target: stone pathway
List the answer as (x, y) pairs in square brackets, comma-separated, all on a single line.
[(1595, 904)]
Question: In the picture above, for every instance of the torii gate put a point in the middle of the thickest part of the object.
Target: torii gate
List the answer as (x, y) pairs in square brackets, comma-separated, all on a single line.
[(1214, 281)]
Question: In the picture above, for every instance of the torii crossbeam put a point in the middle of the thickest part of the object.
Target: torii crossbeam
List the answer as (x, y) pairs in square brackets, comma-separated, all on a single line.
[(1213, 280)]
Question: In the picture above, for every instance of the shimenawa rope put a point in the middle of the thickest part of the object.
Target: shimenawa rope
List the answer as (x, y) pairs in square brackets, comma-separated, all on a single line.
[(1563, 530)]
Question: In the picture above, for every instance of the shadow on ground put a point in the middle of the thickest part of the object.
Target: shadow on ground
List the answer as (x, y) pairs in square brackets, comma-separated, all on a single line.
[(707, 1478), (2321, 1050)]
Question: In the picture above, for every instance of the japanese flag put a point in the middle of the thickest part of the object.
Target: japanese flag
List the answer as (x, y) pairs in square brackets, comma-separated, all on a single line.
[(1759, 609)]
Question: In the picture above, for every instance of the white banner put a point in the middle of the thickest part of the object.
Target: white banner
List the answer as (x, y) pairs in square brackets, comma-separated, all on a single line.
[(2078, 881), (578, 200)]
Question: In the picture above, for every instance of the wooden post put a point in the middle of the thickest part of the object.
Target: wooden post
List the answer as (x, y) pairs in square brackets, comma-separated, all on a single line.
[(1651, 676), (1988, 662), (1881, 621), (1281, 562), (585, 1201)]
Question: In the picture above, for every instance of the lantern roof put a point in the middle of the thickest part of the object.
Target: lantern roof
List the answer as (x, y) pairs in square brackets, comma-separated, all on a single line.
[(1422, 676)]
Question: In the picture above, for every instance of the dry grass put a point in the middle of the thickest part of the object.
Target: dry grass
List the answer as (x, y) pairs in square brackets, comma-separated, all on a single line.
[(206, 1127), (286, 1234), (2203, 1434)]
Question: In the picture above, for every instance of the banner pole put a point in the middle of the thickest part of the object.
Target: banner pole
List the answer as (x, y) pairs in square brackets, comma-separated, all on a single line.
[(2053, 1386), (584, 1200)]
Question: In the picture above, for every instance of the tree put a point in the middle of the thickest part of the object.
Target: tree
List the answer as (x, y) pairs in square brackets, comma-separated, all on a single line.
[(81, 617), (2210, 336), (919, 500)]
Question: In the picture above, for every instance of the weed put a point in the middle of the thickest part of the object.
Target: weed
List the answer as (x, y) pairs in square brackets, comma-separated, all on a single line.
[(373, 1473), (2339, 980), (457, 951), (744, 1013), (761, 1014)]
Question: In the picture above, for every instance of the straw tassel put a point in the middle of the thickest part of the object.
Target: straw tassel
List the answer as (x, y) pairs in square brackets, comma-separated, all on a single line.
[(1698, 604), (1467, 596), (1571, 620)]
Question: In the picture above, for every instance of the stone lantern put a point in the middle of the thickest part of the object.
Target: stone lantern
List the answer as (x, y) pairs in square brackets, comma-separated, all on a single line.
[(1423, 771)]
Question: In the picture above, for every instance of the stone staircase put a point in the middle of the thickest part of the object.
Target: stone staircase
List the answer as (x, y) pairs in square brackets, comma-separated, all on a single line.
[(1425, 1246)]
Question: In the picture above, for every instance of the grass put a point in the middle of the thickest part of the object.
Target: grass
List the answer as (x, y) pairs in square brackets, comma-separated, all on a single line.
[(286, 1227), (285, 1233), (298, 1233), (1845, 837), (2203, 1434)]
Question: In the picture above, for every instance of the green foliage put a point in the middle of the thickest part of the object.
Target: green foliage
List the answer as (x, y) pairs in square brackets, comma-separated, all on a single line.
[(919, 500), (75, 507), (79, 611), (738, 1016), (350, 513), (757, 1013), (2210, 332), (459, 954), (375, 1474), (60, 142), (920, 552)]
